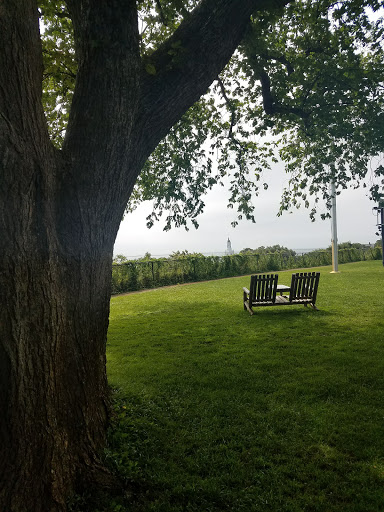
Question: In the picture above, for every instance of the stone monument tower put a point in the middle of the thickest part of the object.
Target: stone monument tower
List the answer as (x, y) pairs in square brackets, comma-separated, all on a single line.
[(229, 250)]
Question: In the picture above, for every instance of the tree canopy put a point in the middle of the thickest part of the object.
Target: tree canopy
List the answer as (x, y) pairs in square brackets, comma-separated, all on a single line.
[(305, 86)]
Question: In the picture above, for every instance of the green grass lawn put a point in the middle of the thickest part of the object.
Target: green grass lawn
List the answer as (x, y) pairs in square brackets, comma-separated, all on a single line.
[(220, 411)]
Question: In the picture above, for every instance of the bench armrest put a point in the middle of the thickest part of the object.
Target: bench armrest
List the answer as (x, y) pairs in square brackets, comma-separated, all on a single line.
[(246, 290)]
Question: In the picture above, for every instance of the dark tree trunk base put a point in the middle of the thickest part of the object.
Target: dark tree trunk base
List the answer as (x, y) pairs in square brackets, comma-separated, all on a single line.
[(100, 478)]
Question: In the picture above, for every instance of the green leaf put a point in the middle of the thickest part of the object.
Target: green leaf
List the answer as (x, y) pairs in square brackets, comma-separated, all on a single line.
[(150, 68)]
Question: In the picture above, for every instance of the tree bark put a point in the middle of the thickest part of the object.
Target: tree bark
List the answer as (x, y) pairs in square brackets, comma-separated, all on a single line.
[(60, 214), (58, 227)]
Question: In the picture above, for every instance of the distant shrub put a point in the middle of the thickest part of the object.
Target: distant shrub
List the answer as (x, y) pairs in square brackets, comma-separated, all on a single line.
[(183, 267)]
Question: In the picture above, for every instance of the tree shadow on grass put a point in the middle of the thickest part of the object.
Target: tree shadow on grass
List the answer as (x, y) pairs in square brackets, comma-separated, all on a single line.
[(288, 311)]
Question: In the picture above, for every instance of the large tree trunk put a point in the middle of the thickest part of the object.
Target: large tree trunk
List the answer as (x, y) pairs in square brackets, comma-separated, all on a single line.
[(60, 212), (57, 230), (55, 279), (53, 380), (55, 274)]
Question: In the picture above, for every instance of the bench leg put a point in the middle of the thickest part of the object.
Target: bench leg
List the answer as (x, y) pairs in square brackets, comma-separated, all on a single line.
[(247, 306)]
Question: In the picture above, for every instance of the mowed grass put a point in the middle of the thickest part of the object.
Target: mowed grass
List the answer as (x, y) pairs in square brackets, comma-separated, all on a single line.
[(221, 411)]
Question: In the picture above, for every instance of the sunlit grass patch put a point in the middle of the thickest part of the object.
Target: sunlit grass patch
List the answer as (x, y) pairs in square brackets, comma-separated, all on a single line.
[(220, 411)]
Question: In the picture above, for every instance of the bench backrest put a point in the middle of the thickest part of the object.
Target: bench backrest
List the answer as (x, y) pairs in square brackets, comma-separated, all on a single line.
[(263, 288), (304, 287)]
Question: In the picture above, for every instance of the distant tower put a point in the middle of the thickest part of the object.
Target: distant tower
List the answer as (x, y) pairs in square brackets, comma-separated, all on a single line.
[(229, 250)]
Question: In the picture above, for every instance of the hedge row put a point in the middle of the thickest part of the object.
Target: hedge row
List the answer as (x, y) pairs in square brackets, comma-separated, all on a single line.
[(139, 275)]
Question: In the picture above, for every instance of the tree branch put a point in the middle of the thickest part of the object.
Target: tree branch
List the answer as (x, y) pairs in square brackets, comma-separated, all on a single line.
[(279, 58), (270, 104), (21, 70), (268, 100), (161, 13), (107, 83), (183, 68), (240, 146), (229, 104)]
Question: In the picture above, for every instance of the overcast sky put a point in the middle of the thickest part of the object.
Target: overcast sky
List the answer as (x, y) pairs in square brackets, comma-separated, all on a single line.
[(356, 223)]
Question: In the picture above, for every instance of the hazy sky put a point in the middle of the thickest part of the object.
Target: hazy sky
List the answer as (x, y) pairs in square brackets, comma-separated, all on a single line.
[(356, 223)]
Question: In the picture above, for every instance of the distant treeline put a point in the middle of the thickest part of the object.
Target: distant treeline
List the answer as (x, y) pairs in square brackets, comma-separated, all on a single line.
[(184, 267)]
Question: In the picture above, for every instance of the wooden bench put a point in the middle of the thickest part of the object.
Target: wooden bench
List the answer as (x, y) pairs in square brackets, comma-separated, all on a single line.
[(263, 289)]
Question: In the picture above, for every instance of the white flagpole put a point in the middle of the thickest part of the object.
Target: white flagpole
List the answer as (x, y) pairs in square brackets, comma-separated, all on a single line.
[(335, 264)]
